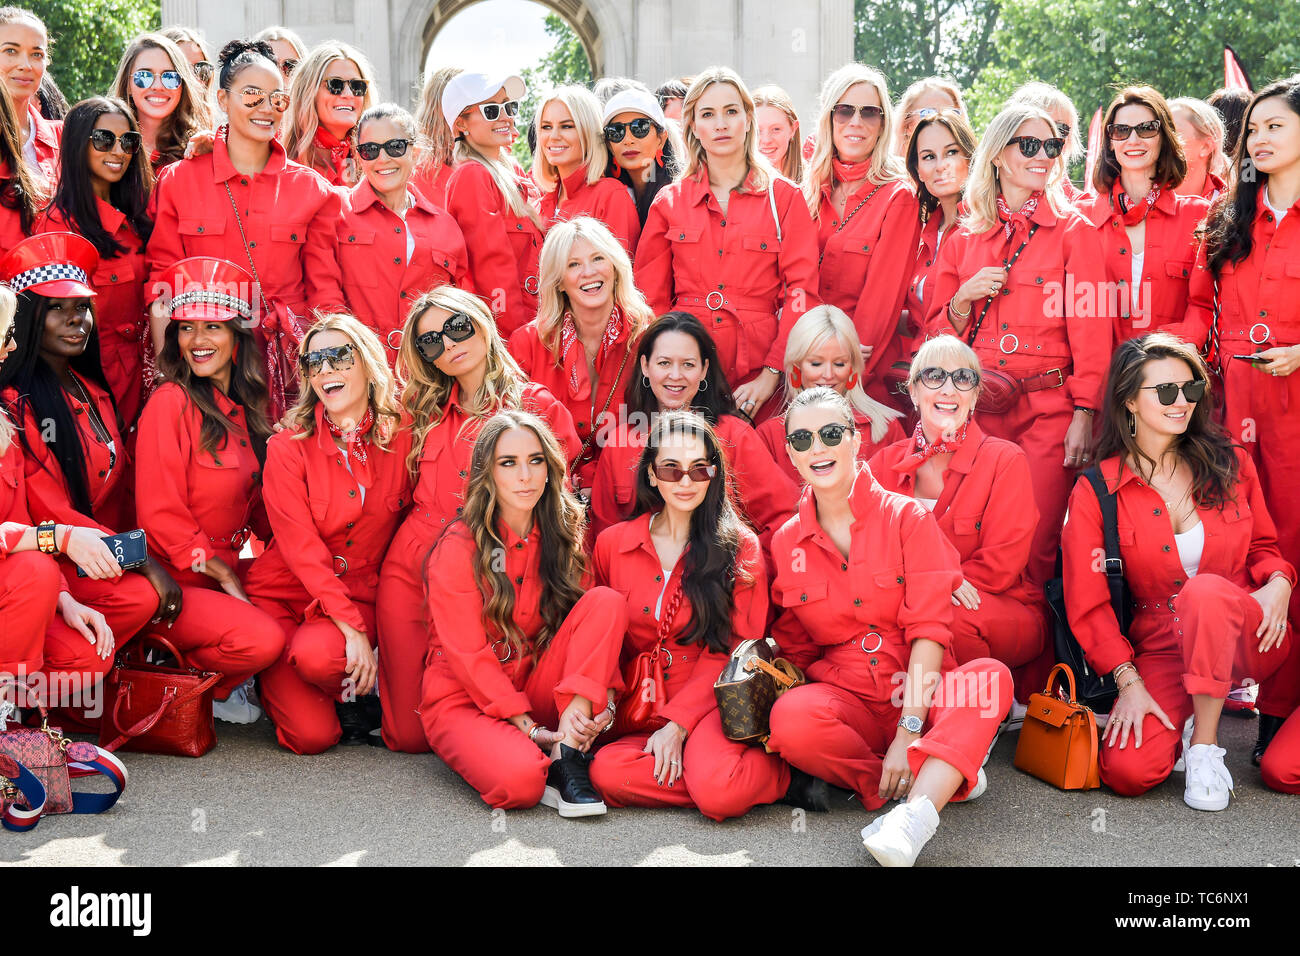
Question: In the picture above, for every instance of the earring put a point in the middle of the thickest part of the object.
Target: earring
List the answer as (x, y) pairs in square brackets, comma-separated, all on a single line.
[(796, 377), (645, 381), (659, 156), (1132, 425), (852, 382), (704, 385)]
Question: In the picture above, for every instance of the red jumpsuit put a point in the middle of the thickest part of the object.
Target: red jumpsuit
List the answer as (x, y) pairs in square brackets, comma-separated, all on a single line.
[(432, 183), (436, 502), (119, 307), (730, 271), (1170, 254), (323, 564), (606, 199), (772, 432), (1188, 637), (927, 257), (194, 505), (379, 281), (503, 248), (1047, 329), (720, 777), (849, 625), (469, 692), (866, 263), (571, 384), (49, 136), (762, 494), (11, 223), (987, 512)]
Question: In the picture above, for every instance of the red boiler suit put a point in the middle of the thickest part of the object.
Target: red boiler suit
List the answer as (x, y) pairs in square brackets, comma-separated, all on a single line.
[(606, 199)]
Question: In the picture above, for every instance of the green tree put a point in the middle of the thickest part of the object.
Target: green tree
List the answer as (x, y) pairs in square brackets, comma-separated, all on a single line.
[(567, 63), (910, 39), (88, 37)]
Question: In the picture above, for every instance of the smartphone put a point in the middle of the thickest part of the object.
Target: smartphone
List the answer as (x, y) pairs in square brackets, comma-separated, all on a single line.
[(130, 549), (1252, 358)]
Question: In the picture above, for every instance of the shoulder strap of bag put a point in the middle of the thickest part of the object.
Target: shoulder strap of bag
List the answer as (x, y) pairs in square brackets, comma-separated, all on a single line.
[(595, 421), (771, 201), (18, 779), (1109, 521), (234, 207), (85, 759), (975, 326), (666, 619)]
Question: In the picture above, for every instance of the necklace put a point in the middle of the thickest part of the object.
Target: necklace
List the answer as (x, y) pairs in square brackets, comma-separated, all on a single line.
[(96, 423)]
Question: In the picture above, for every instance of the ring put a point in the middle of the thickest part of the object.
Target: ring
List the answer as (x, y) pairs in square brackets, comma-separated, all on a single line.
[(747, 403)]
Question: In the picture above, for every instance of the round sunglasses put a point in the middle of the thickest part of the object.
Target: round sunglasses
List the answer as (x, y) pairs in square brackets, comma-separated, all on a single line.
[(143, 79), (640, 128), (831, 435), (1121, 131), (394, 148), (963, 379), (673, 474), (1167, 392), (340, 357), (103, 139), (334, 86), (1030, 146), (458, 327)]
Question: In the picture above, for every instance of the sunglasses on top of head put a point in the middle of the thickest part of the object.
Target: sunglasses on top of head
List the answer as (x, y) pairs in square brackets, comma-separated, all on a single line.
[(492, 111), (288, 66), (103, 140), (340, 358), (639, 127), (1121, 131), (831, 435), (1031, 145), (203, 71), (143, 79), (459, 327), (1167, 392), (672, 474), (8, 336), (394, 148), (334, 86)]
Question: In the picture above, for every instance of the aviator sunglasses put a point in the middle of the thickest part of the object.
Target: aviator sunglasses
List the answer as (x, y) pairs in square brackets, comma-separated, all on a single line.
[(143, 79), (831, 435), (340, 357), (458, 328), (1167, 392)]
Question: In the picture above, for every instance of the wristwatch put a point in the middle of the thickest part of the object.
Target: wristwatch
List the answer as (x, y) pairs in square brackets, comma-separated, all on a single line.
[(45, 537), (911, 723)]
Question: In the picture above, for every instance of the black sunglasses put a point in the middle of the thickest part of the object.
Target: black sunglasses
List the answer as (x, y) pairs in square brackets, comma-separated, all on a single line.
[(844, 113), (203, 70), (963, 379), (1121, 131), (640, 128), (103, 140), (672, 474), (171, 80), (9, 336), (288, 66), (340, 357), (335, 86), (1030, 145), (394, 148), (1167, 392), (831, 435), (458, 328)]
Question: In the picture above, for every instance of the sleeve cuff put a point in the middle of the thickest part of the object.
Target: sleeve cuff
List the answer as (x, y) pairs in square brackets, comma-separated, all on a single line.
[(503, 708)]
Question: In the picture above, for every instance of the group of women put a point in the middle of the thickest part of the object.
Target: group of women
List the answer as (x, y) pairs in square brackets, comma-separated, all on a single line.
[(435, 453)]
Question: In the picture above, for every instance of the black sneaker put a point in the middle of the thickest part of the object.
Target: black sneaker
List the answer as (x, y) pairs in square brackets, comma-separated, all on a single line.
[(568, 786), (355, 722), (1268, 728), (807, 792)]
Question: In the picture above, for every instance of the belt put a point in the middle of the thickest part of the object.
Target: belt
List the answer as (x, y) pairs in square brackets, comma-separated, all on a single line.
[(716, 301), (1146, 605), (234, 541), (1258, 334), (1052, 378), (341, 566)]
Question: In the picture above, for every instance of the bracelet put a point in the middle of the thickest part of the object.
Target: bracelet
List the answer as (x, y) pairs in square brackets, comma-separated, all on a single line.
[(1135, 680), (961, 315), (1122, 668), (45, 537), (532, 731), (1087, 411), (63, 545), (774, 371)]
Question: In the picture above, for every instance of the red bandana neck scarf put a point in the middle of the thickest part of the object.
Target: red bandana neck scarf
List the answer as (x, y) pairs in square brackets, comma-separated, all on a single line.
[(923, 450), (850, 172), (337, 148), (1132, 212), (357, 441), (1014, 221), (569, 338)]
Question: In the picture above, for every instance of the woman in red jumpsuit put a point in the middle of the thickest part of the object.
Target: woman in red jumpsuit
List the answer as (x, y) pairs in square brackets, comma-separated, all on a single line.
[(434, 166), (678, 370), (1065, 120), (1037, 322), (199, 454), (823, 350), (328, 92), (979, 489), (336, 487), (491, 197), (523, 660), (103, 195), (731, 243), (1210, 586), (1200, 128), (394, 243), (247, 203), (457, 375), (1147, 230), (168, 102), (866, 578), (569, 167), (644, 150), (692, 577), (21, 192), (24, 56), (582, 345), (865, 213)]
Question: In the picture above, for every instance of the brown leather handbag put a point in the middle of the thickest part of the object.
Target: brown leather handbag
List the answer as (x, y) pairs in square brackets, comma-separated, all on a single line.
[(748, 687), (156, 709), (1058, 742)]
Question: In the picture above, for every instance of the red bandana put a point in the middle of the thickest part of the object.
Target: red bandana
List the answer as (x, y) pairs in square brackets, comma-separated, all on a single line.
[(357, 440), (569, 338), (1132, 213), (850, 172), (337, 148), (1017, 220), (923, 450)]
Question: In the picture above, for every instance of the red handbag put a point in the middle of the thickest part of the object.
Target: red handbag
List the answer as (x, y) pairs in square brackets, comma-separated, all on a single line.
[(43, 752), (643, 682), (155, 709)]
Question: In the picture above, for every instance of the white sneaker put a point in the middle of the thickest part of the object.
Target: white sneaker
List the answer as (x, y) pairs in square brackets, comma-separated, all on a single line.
[(977, 791), (898, 836), (1181, 763), (1208, 780), (238, 708)]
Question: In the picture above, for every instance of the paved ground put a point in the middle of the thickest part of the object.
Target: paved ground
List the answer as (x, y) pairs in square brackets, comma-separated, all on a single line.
[(249, 803)]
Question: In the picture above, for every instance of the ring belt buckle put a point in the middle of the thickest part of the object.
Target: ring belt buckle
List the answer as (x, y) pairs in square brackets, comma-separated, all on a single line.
[(1267, 333), (1002, 343), (880, 642), (531, 285), (708, 300), (340, 565), (398, 343), (668, 663), (509, 649)]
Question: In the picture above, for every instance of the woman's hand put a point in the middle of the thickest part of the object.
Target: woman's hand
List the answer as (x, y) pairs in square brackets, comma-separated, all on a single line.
[(895, 772), (1078, 441), (361, 666), (169, 592), (285, 422), (751, 396), (584, 730), (1130, 710), (666, 744), (200, 143), (988, 281), (89, 623), (1273, 597), (1282, 360), (225, 576), (87, 550), (966, 596), (866, 352)]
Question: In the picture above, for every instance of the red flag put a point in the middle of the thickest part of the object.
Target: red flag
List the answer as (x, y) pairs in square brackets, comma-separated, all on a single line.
[(1094, 150), (1234, 74)]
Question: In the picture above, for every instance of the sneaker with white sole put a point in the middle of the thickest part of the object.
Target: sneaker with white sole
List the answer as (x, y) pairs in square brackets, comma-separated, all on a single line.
[(238, 708), (1208, 781), (897, 837), (977, 791), (1181, 763)]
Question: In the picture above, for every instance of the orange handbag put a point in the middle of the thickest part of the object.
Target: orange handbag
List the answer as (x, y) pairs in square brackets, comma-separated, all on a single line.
[(1058, 742)]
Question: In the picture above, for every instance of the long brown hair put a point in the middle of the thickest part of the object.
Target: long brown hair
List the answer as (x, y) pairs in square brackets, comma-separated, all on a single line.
[(191, 113), (558, 518), (1204, 446), (21, 191), (369, 351)]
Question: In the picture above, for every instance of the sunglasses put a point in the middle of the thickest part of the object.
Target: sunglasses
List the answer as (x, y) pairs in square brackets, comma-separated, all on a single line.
[(1030, 145), (672, 474), (253, 98), (492, 111), (923, 113), (1120, 131), (831, 435), (9, 337), (203, 70), (1167, 392), (1062, 129), (458, 328), (340, 357), (334, 85), (963, 379), (394, 148), (844, 113), (171, 80), (640, 128), (103, 140), (288, 66)]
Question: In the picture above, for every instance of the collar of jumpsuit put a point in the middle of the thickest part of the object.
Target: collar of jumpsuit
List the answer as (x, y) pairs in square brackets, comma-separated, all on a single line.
[(703, 192), (962, 461), (862, 500), (223, 170)]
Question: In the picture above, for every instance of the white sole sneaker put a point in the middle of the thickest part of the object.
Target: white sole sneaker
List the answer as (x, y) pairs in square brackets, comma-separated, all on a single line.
[(1209, 784), (551, 798), (897, 837), (977, 791), (1180, 765)]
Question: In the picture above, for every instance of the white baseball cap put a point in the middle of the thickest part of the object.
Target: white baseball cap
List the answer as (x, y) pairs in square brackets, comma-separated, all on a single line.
[(635, 101), (466, 89)]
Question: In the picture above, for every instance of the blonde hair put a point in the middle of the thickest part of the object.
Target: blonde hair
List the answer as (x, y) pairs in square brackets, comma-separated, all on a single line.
[(586, 111), (285, 35), (814, 328), (1205, 119), (982, 187), (941, 349), (694, 149), (502, 169), (433, 125), (191, 113), (928, 84), (302, 119), (179, 35), (426, 388), (379, 380), (885, 166), (1049, 99), (553, 301), (777, 98), (8, 310)]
